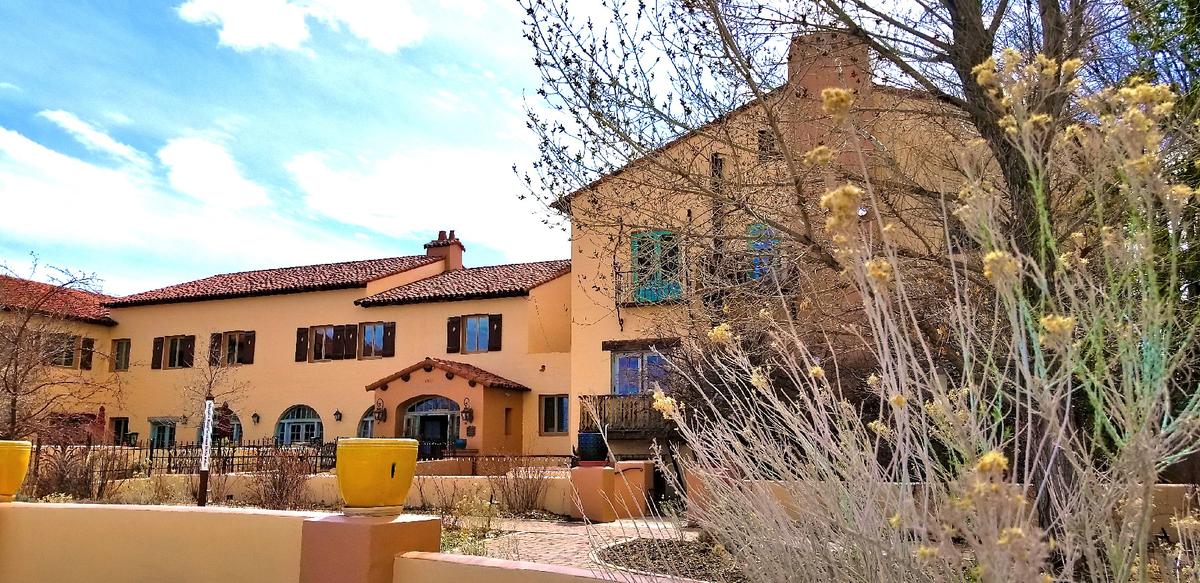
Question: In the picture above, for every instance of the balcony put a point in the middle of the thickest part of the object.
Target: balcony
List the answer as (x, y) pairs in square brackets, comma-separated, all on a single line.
[(621, 416)]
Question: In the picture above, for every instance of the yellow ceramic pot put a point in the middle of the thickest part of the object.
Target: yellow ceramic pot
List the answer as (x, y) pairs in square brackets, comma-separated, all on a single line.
[(375, 472), (14, 463)]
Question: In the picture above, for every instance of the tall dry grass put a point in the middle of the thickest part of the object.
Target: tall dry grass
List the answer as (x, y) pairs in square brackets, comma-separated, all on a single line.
[(1013, 431)]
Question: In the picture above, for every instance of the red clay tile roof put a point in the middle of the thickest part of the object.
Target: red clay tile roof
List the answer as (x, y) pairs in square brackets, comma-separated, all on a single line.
[(496, 281), (468, 371), (24, 294), (283, 280)]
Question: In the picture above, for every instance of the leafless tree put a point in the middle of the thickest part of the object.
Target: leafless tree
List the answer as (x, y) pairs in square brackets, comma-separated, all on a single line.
[(46, 366)]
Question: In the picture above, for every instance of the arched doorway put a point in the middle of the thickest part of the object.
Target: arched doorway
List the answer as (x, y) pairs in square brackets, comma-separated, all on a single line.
[(433, 421), (366, 424), (299, 424)]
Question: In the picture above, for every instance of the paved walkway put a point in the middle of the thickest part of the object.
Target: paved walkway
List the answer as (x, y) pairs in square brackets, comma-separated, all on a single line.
[(571, 543)]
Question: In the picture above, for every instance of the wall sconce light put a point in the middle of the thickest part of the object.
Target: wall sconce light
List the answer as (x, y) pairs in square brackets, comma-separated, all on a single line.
[(337, 414), (255, 418)]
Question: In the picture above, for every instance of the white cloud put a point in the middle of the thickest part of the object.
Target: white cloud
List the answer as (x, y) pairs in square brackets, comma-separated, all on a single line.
[(416, 191), (54, 200), (205, 171), (4, 85), (93, 138), (252, 24)]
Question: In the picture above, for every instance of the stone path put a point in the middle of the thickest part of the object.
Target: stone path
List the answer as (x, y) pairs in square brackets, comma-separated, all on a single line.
[(571, 543)]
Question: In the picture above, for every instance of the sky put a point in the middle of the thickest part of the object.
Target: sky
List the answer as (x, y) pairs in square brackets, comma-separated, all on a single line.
[(153, 143)]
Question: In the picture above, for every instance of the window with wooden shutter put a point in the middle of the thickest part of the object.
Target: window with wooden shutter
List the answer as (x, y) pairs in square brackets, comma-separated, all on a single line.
[(86, 348), (476, 333), (389, 339), (246, 348), (339, 339), (453, 334), (350, 342), (494, 332), (302, 344), (119, 359), (156, 358), (189, 352), (371, 335), (214, 349), (61, 350)]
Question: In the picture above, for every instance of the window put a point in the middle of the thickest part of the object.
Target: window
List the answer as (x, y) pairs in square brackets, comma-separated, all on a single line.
[(62, 349), (299, 424), (322, 343), (366, 424), (763, 242), (226, 426), (638, 372), (162, 433), (120, 354), (716, 171), (372, 339), (656, 270), (475, 333), (508, 413), (120, 429), (768, 146), (238, 347), (179, 351), (554, 413)]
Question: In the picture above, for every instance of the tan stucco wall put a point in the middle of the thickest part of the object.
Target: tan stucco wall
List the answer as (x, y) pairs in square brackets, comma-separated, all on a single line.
[(418, 567), (48, 543)]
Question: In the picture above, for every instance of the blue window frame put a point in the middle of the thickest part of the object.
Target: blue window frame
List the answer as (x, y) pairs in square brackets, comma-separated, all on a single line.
[(656, 268), (162, 433), (299, 424), (638, 372), (762, 244)]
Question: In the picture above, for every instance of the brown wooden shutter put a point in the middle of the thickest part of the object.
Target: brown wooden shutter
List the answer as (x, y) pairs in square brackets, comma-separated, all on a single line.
[(246, 348), (453, 334), (214, 349), (189, 351), (389, 339), (339, 338), (350, 346), (301, 344), (494, 329), (156, 358), (86, 348)]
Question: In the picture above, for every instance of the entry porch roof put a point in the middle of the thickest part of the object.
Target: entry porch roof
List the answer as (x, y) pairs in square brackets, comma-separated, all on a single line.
[(472, 373)]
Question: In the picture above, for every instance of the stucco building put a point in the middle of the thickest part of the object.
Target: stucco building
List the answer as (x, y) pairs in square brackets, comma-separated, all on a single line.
[(509, 358)]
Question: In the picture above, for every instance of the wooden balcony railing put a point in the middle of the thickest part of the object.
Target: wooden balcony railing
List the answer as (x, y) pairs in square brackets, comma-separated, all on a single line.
[(621, 416)]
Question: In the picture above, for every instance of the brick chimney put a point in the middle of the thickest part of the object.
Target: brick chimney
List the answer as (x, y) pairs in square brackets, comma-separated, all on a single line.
[(828, 59), (447, 247)]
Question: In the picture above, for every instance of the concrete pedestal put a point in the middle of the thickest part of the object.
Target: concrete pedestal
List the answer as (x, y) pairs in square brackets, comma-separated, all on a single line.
[(362, 549)]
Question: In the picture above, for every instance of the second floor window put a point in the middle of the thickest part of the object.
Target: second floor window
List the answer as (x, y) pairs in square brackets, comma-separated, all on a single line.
[(554, 413), (231, 348), (179, 351), (323, 347), (768, 146), (474, 333), (638, 372), (657, 275), (120, 353), (762, 248), (371, 334), (62, 348)]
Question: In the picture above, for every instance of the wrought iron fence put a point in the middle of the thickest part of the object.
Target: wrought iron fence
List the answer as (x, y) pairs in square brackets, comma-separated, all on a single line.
[(114, 462)]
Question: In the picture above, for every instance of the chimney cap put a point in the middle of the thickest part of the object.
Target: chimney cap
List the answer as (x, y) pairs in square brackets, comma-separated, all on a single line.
[(444, 240)]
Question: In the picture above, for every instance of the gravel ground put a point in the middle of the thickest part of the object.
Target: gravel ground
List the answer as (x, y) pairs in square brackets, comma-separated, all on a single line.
[(675, 558)]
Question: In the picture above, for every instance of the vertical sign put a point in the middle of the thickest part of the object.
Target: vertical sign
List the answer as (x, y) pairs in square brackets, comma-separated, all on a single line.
[(205, 451)]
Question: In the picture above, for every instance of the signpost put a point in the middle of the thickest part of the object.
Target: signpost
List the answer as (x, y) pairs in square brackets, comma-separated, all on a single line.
[(206, 431)]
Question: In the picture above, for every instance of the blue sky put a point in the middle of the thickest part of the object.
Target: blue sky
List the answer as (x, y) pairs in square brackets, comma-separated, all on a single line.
[(157, 142)]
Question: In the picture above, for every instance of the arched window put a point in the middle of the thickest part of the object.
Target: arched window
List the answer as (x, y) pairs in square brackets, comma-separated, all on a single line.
[(298, 424), (366, 425)]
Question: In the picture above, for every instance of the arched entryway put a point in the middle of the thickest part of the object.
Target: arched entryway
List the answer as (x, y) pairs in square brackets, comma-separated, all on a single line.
[(299, 424), (431, 420)]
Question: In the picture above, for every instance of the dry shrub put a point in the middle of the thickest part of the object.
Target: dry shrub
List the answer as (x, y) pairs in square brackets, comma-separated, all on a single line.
[(281, 482), (521, 486)]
